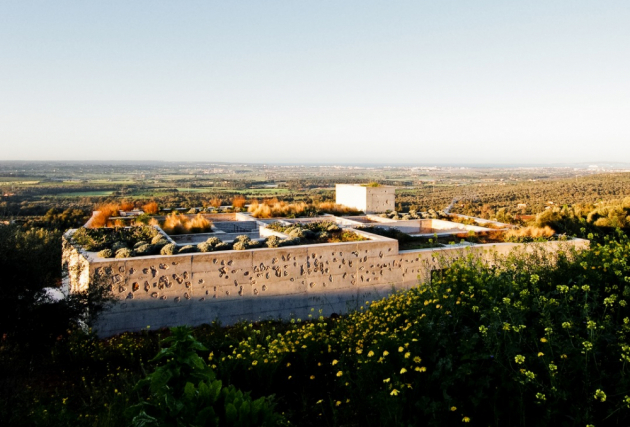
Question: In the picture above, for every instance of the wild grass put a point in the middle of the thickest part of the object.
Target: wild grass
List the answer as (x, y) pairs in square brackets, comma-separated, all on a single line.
[(529, 233), (151, 208), (238, 201), (216, 202), (176, 223), (273, 208)]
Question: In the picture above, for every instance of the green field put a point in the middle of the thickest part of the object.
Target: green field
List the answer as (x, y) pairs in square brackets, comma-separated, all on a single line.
[(198, 189), (265, 191), (86, 194)]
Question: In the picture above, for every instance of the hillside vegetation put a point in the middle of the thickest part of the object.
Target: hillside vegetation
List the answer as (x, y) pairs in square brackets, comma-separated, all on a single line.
[(537, 339)]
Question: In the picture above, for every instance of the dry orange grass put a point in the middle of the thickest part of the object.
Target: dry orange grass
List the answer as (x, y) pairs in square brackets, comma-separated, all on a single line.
[(335, 209), (181, 224), (127, 206), (239, 201), (533, 232), (151, 208), (216, 202), (104, 212), (273, 208)]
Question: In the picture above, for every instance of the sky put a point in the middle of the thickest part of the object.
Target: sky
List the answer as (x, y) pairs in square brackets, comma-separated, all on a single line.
[(341, 81)]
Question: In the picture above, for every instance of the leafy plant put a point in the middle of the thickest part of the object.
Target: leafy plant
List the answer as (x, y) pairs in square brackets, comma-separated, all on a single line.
[(184, 391)]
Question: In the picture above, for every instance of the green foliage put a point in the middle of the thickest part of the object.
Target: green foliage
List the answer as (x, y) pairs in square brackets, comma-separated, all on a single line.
[(106, 253), (315, 232), (204, 247), (213, 241), (96, 239), (223, 246), (157, 238), (187, 249), (524, 341), (140, 243), (123, 253), (146, 249), (29, 261), (273, 241), (170, 249), (30, 319), (184, 391)]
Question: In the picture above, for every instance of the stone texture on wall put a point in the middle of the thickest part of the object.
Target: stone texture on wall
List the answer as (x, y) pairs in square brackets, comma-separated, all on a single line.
[(229, 286)]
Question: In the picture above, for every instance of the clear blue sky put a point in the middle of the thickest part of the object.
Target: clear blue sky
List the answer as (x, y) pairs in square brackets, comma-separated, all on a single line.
[(310, 81)]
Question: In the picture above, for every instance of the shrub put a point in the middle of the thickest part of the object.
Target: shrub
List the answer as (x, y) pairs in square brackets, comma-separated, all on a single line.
[(170, 249), (290, 242), (140, 243), (204, 247), (158, 237), (240, 246), (296, 232), (184, 391), (106, 253), (242, 238), (273, 241), (223, 246), (175, 223), (151, 208), (213, 241), (238, 201), (116, 246), (187, 249), (145, 249), (95, 239), (124, 253), (528, 234)]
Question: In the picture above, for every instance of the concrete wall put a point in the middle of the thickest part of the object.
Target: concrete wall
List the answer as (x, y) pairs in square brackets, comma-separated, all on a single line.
[(380, 199), (353, 196), (366, 199), (229, 286)]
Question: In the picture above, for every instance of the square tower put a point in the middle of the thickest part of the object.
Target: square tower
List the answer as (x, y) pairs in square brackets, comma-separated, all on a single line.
[(368, 198)]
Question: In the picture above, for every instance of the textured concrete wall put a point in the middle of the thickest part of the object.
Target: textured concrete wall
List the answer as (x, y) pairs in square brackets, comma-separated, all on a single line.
[(229, 286), (366, 199), (380, 199)]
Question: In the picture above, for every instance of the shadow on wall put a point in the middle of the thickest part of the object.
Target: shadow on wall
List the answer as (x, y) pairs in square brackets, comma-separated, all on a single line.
[(139, 314)]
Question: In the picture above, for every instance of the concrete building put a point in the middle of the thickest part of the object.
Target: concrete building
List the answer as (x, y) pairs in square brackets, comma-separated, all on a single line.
[(366, 198), (280, 282)]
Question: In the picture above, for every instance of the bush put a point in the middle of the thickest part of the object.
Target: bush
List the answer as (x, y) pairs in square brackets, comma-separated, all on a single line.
[(170, 249), (140, 243), (223, 246), (240, 246), (184, 391), (204, 247), (106, 253), (124, 253), (290, 242), (187, 249), (296, 232), (145, 249), (161, 242), (157, 238), (116, 246), (273, 241), (213, 241)]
